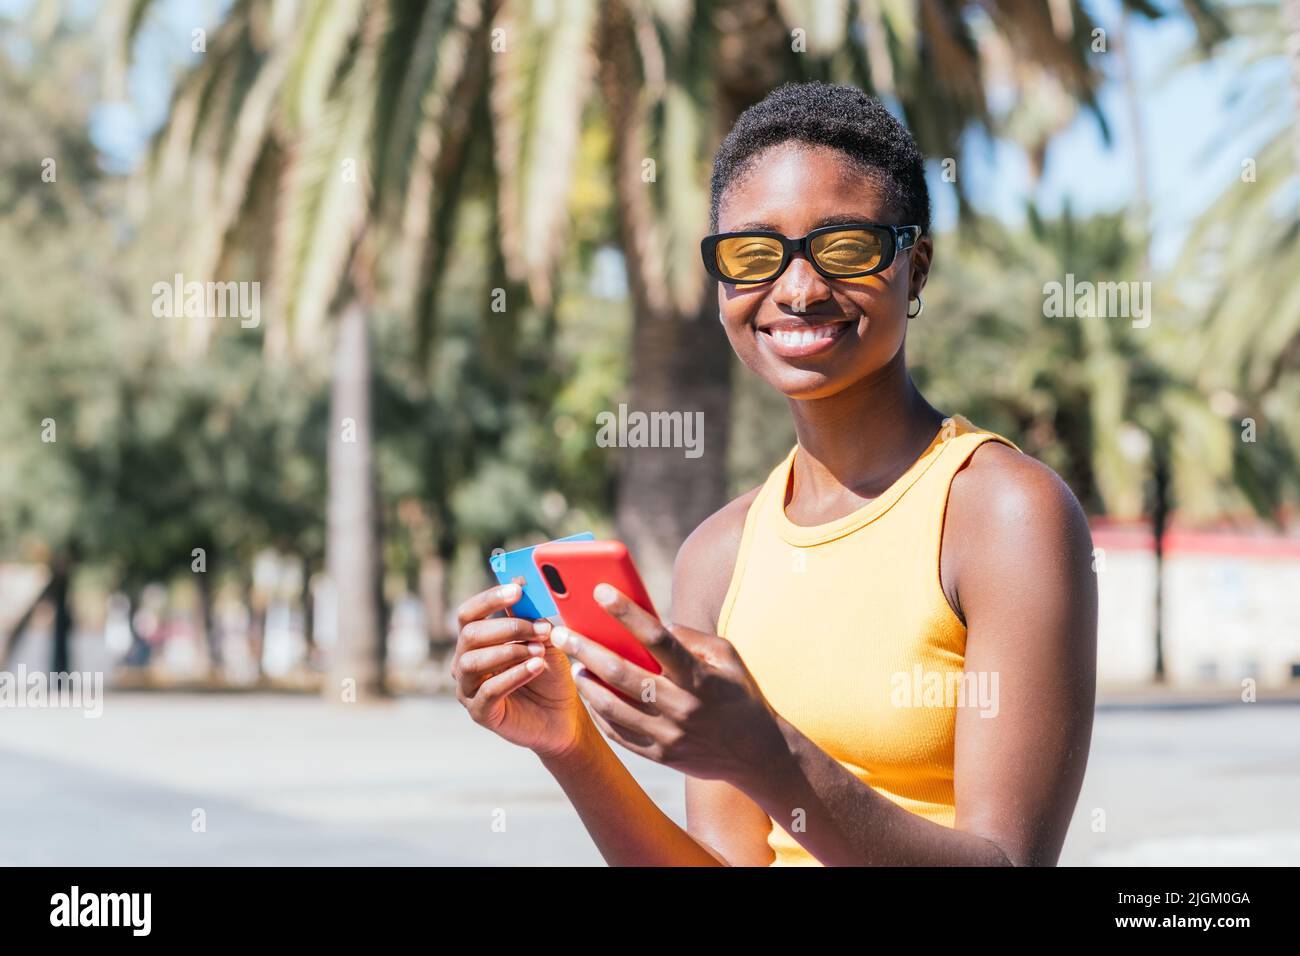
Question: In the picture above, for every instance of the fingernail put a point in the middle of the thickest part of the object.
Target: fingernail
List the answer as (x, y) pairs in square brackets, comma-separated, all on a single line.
[(534, 664), (574, 669), (537, 650), (507, 591), (605, 594), (559, 636), (541, 627)]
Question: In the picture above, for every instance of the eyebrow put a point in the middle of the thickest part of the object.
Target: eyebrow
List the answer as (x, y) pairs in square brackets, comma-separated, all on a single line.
[(841, 221), (836, 220)]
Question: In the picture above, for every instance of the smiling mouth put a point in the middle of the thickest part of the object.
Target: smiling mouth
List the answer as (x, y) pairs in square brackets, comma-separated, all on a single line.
[(799, 339)]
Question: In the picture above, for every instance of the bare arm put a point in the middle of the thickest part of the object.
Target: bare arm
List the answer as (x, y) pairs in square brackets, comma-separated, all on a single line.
[(1033, 624), (627, 826)]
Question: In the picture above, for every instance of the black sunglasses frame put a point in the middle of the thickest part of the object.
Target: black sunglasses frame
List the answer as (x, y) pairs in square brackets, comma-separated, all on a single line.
[(893, 240)]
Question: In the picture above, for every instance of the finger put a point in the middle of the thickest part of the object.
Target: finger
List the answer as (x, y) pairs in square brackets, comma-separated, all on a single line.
[(612, 668), (625, 737), (500, 686), (500, 630), (474, 666), (677, 662), (488, 602), (634, 713), (519, 581)]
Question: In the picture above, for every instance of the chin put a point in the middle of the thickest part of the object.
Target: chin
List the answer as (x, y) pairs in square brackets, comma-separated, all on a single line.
[(805, 385)]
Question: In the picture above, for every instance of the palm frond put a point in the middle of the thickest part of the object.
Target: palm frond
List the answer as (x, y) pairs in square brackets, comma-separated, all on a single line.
[(451, 109), (322, 43), (540, 85), (417, 45), (325, 202)]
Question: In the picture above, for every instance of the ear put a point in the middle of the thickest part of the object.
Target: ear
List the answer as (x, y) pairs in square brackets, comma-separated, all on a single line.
[(922, 258)]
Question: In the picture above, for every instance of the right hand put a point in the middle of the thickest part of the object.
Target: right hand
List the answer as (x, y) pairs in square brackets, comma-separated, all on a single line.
[(512, 680)]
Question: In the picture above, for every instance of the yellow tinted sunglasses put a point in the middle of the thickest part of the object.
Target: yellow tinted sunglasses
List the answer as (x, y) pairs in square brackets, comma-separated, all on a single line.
[(846, 251)]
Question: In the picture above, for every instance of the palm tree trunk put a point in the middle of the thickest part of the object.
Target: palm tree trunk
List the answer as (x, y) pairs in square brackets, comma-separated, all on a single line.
[(11, 639), (1159, 524), (61, 652), (356, 664), (207, 621), (680, 362), (308, 607)]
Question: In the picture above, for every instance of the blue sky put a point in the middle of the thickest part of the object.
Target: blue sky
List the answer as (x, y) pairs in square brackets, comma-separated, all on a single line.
[(1192, 149)]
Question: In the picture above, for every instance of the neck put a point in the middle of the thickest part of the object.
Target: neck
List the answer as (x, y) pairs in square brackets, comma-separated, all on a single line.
[(864, 437)]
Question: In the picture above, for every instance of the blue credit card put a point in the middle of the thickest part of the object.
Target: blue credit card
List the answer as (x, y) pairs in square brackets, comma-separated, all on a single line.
[(537, 601)]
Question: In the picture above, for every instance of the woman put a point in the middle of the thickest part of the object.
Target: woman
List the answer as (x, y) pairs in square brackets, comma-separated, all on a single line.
[(885, 654)]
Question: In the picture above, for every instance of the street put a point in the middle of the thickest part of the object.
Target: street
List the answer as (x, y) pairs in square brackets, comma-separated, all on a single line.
[(282, 779)]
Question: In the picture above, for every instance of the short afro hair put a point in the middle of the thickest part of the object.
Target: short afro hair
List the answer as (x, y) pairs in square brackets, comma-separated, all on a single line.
[(840, 117)]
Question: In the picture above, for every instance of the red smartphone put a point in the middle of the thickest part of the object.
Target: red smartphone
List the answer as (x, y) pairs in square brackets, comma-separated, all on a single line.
[(572, 569)]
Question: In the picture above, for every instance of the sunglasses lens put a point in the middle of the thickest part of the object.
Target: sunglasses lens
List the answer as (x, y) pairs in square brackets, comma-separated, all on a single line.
[(848, 251), (749, 258)]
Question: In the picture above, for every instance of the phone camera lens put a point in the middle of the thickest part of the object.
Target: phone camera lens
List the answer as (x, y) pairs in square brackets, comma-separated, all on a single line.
[(553, 580)]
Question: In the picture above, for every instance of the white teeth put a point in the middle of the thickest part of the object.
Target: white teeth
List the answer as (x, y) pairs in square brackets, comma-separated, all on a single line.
[(796, 338)]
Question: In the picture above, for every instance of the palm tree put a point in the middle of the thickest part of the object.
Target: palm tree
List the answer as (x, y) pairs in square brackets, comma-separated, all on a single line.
[(400, 92), (1243, 344), (1263, 336), (302, 137), (674, 78), (1114, 408)]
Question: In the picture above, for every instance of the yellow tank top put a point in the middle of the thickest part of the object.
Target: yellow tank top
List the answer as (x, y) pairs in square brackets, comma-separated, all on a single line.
[(848, 633)]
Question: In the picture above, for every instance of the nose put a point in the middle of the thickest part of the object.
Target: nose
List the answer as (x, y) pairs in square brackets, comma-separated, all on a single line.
[(801, 286)]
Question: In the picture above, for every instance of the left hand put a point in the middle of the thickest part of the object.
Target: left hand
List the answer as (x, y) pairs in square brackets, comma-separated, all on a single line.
[(704, 715)]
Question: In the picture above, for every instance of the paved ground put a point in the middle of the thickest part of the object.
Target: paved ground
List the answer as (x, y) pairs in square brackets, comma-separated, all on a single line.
[(283, 779)]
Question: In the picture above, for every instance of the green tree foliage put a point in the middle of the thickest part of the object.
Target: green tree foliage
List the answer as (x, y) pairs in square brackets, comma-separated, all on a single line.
[(486, 177)]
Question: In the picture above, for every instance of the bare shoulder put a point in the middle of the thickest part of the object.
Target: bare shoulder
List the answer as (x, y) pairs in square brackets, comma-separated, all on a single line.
[(705, 562), (720, 531), (1011, 517), (1000, 486)]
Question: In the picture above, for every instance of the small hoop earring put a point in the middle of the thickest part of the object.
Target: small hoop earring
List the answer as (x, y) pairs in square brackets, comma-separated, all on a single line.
[(920, 307)]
